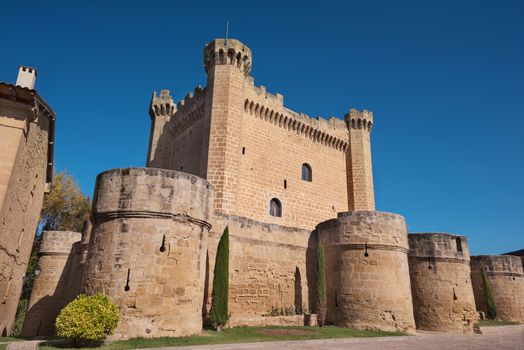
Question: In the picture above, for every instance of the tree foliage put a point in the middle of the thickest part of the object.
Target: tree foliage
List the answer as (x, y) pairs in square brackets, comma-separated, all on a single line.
[(65, 208), (219, 308), (321, 295), (87, 319), (492, 309)]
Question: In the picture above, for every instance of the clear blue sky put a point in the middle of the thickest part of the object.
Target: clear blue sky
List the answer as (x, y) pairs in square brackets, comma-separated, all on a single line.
[(445, 80)]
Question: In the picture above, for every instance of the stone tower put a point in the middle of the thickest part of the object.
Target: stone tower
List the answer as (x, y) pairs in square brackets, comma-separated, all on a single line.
[(361, 195), (443, 298), (367, 271), (506, 278), (57, 282), (227, 63), (26, 171), (148, 249)]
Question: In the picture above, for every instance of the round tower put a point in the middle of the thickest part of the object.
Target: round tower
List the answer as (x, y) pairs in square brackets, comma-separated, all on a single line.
[(440, 282), (367, 271), (506, 278), (148, 249), (56, 281), (361, 195)]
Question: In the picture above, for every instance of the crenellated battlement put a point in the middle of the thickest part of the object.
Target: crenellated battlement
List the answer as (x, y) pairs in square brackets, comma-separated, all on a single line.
[(357, 119), (162, 106), (227, 51)]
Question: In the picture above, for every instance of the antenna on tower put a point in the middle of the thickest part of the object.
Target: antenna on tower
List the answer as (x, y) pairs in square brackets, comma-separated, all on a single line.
[(227, 31)]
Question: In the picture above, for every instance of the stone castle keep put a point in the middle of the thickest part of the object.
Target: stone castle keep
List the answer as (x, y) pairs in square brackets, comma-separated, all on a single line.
[(231, 154)]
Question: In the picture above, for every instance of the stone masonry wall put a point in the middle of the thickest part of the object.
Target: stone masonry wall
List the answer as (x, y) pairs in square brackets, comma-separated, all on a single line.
[(148, 249), (23, 162), (57, 283), (443, 298), (271, 267), (506, 278), (367, 271)]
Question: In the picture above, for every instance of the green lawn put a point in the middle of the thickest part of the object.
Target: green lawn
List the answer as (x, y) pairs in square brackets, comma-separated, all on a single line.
[(236, 335), (491, 323), (5, 340)]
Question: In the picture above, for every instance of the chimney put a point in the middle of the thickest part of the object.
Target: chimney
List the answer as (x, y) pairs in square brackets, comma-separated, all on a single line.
[(26, 77)]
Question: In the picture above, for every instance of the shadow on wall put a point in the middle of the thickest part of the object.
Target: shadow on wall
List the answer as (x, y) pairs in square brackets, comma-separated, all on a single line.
[(41, 316), (311, 269)]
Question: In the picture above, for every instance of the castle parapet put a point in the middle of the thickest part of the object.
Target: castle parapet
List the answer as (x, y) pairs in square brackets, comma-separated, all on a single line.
[(162, 105), (148, 252), (367, 271), (356, 119), (505, 276), (227, 51), (443, 298)]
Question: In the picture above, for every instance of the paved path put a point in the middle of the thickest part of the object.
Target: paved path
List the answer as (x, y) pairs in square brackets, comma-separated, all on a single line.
[(493, 338), (23, 345)]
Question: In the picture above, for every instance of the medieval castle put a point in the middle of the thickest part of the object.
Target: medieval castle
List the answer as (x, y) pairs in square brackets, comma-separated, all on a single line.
[(231, 154)]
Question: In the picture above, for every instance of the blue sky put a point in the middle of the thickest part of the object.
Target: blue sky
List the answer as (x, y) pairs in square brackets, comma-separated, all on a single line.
[(443, 78)]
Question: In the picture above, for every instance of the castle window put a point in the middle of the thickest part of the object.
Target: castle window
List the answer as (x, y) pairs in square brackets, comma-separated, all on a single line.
[(275, 208), (459, 244), (306, 172), (285, 184), (243, 150)]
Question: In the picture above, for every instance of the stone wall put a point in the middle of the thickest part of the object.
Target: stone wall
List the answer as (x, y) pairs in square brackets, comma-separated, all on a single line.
[(271, 267), (506, 278), (367, 271), (443, 298), (57, 282), (148, 249), (25, 127)]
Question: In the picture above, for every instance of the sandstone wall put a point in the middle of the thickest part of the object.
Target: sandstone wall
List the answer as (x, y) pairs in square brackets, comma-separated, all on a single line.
[(506, 278), (57, 283), (443, 298), (271, 267), (367, 271), (148, 249), (23, 178)]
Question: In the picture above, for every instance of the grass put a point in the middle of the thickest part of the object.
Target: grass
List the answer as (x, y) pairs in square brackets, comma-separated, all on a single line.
[(494, 323), (235, 335)]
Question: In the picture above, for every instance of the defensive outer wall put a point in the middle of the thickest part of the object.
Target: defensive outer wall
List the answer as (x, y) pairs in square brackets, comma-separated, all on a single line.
[(148, 249), (367, 271), (57, 282), (443, 298), (506, 279)]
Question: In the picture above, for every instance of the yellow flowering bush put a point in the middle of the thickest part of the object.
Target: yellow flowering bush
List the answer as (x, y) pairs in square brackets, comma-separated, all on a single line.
[(87, 319)]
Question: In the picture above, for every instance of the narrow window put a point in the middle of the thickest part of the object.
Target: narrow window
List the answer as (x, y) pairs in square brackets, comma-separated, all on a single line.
[(459, 244), (306, 172), (181, 168), (275, 208), (285, 184), (243, 150)]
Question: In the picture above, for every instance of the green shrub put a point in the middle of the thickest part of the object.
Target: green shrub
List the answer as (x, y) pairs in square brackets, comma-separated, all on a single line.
[(321, 298), (492, 309), (219, 308), (87, 319)]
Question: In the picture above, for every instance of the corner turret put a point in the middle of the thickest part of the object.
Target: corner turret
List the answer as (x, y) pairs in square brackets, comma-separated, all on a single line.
[(227, 51), (361, 195)]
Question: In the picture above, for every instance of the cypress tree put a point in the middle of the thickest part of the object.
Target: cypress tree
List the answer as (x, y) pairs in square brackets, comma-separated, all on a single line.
[(492, 310), (219, 309), (321, 299)]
